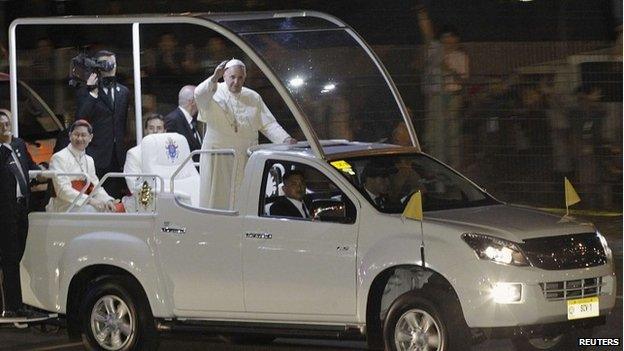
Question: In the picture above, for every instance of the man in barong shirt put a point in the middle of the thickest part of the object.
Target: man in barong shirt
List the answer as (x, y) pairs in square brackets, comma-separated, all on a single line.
[(233, 115)]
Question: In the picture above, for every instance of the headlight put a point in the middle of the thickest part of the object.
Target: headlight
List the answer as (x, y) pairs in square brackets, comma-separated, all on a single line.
[(494, 249), (506, 292), (605, 246)]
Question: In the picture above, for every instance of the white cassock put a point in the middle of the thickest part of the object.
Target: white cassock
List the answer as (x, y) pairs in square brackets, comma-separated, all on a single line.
[(132, 165), (71, 160), (232, 121)]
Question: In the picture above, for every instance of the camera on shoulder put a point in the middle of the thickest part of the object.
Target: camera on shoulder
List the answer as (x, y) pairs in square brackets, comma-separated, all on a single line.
[(82, 66)]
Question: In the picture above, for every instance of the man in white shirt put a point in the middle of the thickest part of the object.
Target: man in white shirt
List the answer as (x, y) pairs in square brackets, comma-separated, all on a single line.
[(446, 73), (233, 115), (15, 162), (153, 124), (291, 204), (73, 159)]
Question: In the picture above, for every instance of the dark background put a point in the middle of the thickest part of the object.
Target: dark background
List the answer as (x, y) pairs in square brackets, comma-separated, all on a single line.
[(381, 22)]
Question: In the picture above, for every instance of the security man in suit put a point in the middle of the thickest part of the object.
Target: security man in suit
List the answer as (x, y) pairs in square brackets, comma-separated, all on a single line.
[(376, 182), (292, 204), (103, 102), (15, 162), (183, 120)]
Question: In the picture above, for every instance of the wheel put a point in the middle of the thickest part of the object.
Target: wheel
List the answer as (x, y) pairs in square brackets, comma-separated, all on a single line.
[(414, 323), (115, 316), (565, 341)]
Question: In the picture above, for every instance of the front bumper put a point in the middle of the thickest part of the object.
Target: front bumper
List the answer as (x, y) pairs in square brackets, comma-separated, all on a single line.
[(550, 329), (534, 309)]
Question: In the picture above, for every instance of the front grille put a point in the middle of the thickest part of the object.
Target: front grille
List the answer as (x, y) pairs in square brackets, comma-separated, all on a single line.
[(565, 251), (572, 289)]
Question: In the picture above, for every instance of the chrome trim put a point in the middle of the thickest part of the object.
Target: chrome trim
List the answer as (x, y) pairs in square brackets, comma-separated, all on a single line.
[(254, 235), (572, 289), (172, 228)]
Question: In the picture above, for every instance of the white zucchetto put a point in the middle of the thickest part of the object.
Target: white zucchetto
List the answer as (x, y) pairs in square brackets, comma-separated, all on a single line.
[(234, 62)]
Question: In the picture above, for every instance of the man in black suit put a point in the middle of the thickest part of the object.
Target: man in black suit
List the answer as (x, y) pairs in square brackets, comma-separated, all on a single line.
[(375, 179), (292, 204), (15, 162), (183, 120), (103, 102)]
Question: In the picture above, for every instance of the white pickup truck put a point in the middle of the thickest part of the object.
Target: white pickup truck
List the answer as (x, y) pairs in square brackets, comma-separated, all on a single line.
[(474, 267)]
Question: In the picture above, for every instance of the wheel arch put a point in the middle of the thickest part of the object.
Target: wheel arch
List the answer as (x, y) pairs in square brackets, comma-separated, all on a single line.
[(78, 287), (409, 279)]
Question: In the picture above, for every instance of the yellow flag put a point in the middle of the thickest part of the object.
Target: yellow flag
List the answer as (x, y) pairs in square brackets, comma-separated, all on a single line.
[(413, 210), (571, 197)]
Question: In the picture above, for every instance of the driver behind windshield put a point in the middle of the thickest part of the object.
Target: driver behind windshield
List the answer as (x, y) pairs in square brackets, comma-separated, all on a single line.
[(376, 183), (292, 204)]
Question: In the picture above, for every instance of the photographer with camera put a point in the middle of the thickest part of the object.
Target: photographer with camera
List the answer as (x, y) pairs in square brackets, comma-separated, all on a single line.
[(104, 103)]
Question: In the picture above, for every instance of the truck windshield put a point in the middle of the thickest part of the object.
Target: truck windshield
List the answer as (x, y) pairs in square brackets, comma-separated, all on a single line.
[(329, 74), (388, 181)]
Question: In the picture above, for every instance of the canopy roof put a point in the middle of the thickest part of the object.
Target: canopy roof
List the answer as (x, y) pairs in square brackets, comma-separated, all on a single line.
[(330, 79)]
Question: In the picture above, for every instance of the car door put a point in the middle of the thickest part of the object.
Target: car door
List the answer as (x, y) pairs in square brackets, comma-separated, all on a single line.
[(295, 265), (200, 254)]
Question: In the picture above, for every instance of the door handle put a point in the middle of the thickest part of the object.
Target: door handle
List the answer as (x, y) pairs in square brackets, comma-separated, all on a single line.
[(254, 235), (172, 228)]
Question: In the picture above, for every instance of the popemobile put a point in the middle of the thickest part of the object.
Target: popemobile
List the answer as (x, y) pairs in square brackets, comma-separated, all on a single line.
[(395, 248)]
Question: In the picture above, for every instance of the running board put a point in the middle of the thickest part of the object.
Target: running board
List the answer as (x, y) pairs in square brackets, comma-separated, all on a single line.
[(277, 330), (26, 320)]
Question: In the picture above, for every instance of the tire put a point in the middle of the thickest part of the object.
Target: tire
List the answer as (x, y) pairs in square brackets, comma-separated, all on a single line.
[(566, 341), (403, 327), (115, 316)]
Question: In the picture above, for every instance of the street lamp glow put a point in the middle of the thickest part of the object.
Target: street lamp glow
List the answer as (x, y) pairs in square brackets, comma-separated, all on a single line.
[(328, 87), (296, 82)]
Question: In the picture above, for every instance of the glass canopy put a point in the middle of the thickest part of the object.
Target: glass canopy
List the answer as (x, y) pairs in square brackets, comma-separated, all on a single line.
[(330, 74)]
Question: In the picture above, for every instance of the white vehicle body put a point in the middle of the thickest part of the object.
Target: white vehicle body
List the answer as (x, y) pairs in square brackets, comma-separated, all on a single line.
[(213, 271), (239, 269)]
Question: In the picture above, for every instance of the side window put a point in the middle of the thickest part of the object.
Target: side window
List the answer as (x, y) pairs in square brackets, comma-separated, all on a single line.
[(298, 191)]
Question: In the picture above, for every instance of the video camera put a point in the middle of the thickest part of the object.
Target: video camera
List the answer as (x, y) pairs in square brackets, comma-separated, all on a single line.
[(81, 67)]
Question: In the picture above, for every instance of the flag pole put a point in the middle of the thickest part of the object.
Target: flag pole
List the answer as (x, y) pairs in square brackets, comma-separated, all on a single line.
[(567, 206), (413, 210), (422, 244)]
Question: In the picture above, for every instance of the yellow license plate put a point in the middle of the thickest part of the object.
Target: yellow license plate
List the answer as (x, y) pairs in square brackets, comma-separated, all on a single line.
[(583, 308)]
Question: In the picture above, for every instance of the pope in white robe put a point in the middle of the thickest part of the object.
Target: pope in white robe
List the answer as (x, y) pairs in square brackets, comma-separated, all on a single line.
[(233, 115)]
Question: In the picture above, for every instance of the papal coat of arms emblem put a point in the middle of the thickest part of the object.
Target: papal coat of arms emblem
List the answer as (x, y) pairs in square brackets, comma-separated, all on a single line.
[(172, 150)]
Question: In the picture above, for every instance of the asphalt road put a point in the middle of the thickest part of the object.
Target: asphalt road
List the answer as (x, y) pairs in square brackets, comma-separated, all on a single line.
[(36, 339), (33, 339)]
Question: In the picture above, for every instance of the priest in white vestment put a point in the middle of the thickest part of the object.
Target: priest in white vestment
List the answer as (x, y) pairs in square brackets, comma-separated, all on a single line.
[(73, 159), (154, 123), (233, 115)]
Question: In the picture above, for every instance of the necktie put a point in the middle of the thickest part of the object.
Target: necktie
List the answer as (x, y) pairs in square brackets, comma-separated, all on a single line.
[(14, 167), (305, 211), (194, 129)]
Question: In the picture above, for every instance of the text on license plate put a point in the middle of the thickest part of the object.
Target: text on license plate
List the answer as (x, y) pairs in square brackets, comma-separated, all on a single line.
[(583, 308)]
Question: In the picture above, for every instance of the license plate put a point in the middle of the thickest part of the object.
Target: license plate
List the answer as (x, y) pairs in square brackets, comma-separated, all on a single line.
[(583, 308)]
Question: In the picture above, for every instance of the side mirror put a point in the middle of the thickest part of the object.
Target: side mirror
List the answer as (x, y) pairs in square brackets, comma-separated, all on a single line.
[(329, 211)]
